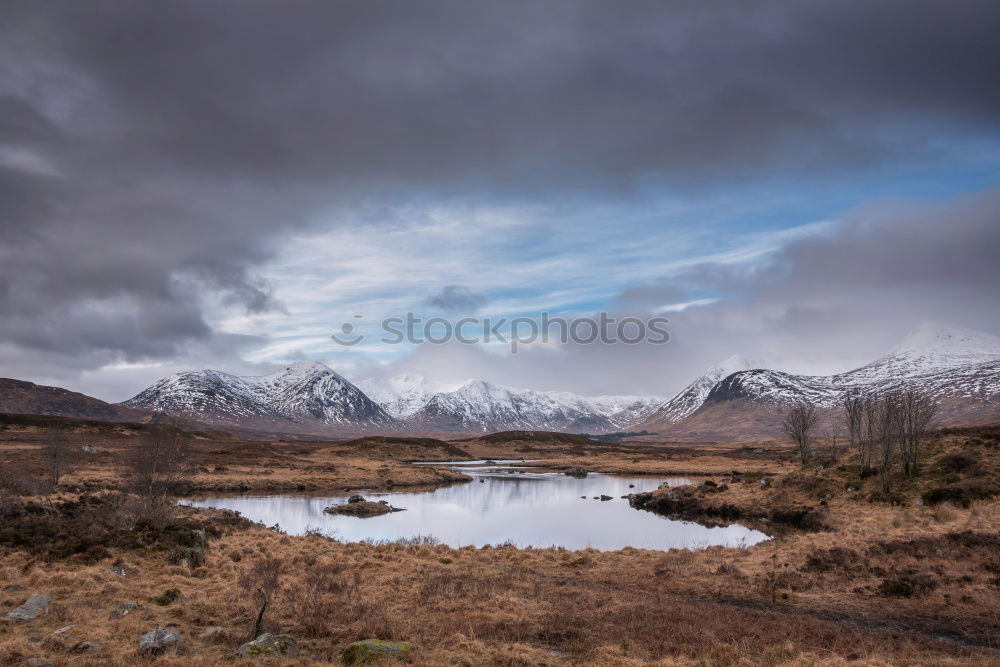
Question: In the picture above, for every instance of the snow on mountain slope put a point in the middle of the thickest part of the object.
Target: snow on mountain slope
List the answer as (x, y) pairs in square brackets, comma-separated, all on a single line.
[(478, 405), (691, 397), (305, 392), (960, 368), (401, 395), (945, 361)]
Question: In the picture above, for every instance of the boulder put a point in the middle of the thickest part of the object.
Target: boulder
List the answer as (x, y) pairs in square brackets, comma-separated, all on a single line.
[(605, 497), (356, 499), (369, 650), (38, 662), (159, 641), (32, 607), (269, 645), (575, 472)]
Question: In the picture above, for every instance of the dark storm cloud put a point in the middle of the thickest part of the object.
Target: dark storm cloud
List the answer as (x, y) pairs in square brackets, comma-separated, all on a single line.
[(153, 153), (457, 299)]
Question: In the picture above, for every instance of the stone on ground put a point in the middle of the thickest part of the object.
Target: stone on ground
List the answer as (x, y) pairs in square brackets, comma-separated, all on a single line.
[(159, 641), (269, 645), (368, 650), (31, 608)]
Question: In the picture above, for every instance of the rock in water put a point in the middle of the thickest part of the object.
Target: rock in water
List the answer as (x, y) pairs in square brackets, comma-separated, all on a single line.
[(159, 641), (269, 645), (368, 650), (576, 472), (31, 608)]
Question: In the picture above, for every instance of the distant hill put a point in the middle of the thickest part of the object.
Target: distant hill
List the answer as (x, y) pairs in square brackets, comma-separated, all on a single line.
[(28, 398)]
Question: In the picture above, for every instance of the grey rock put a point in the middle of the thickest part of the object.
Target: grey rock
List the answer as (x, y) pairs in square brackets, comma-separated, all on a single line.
[(269, 645), (87, 647), (38, 662), (370, 650), (124, 609), (31, 608), (159, 641)]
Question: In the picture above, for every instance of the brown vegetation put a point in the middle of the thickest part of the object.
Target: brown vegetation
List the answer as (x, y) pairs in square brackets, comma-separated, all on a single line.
[(875, 580)]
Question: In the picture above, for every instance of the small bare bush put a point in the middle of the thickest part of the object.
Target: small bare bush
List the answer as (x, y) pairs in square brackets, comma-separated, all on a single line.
[(57, 451), (262, 579)]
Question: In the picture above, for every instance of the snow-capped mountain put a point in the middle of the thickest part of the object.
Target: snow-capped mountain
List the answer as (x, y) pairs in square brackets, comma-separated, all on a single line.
[(691, 397), (959, 367), (307, 394), (945, 361), (478, 405), (401, 395)]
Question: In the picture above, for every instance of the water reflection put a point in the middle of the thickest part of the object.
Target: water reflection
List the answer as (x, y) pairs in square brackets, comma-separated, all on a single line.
[(523, 508)]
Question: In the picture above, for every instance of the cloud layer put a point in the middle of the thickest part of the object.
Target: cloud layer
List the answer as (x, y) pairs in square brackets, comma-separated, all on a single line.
[(154, 158)]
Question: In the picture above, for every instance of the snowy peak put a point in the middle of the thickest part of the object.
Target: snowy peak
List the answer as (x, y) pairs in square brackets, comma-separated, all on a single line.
[(305, 393), (400, 395), (691, 397), (936, 341), (727, 367), (480, 405)]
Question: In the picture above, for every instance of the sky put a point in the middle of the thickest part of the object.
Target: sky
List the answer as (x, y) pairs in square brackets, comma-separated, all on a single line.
[(222, 185)]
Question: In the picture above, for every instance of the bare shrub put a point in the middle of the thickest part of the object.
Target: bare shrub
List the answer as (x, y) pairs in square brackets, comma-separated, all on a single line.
[(155, 471), (916, 411), (57, 451), (324, 597), (799, 425), (854, 404), (262, 579), (887, 436)]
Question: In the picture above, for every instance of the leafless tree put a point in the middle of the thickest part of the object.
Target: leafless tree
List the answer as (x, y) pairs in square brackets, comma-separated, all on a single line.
[(869, 430), (853, 403), (57, 450), (263, 580), (799, 424), (155, 468), (888, 432), (834, 435), (916, 411)]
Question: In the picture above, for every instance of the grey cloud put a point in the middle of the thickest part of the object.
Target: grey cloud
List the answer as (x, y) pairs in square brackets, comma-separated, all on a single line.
[(146, 147), (457, 299), (824, 304)]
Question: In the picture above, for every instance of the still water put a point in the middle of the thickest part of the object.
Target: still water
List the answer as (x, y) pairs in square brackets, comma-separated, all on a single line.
[(505, 502)]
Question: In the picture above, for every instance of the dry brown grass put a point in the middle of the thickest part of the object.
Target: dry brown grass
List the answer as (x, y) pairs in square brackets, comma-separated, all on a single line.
[(883, 584), (468, 606)]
